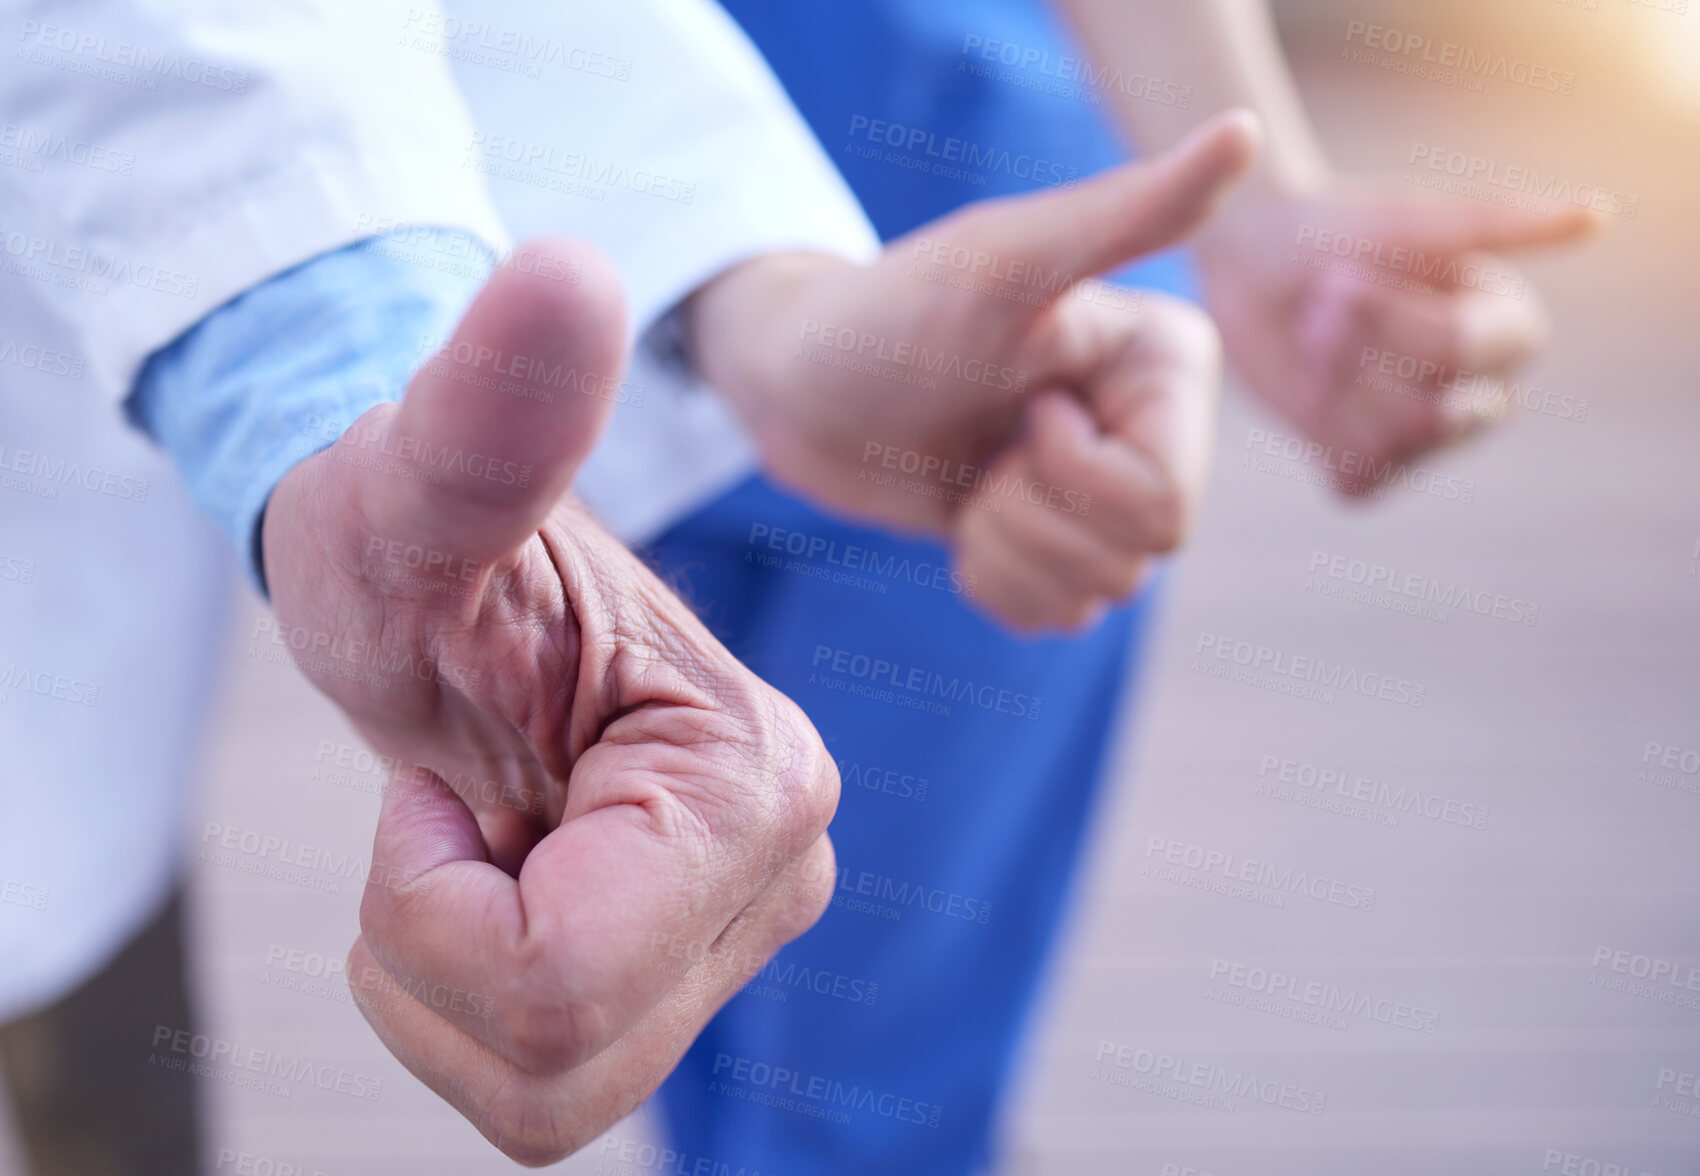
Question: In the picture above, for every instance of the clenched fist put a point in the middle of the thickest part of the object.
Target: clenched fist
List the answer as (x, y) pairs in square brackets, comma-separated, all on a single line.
[(976, 384), (475, 623)]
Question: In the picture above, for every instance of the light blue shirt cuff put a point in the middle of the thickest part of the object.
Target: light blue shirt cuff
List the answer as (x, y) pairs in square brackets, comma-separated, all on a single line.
[(275, 375)]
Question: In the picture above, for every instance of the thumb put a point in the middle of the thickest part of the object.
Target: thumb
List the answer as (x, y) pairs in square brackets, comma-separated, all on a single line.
[(1129, 210), (495, 425)]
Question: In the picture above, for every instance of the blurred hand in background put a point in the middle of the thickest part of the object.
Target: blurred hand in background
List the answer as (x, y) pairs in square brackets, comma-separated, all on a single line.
[(1307, 274), (1062, 427), (1315, 291)]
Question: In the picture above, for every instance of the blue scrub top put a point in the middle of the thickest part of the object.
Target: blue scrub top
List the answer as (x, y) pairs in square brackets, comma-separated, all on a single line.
[(957, 834)]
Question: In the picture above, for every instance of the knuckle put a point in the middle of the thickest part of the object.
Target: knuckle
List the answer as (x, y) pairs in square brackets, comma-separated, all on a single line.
[(520, 1117), (814, 876), (805, 773), (529, 1133), (533, 1152)]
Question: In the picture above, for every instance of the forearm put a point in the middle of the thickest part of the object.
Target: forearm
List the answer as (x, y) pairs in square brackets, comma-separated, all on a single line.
[(1227, 52)]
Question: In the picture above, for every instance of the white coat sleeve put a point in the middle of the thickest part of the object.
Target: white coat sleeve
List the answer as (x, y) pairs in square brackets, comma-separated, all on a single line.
[(655, 129), (158, 157), (652, 127)]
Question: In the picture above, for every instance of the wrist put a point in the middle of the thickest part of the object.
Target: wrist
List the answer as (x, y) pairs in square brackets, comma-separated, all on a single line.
[(1256, 204), (1291, 168), (739, 327)]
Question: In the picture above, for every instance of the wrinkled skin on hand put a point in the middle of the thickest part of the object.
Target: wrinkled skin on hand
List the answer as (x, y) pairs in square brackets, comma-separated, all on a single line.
[(604, 824)]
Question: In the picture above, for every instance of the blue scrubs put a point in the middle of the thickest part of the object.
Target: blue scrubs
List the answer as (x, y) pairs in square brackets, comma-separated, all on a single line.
[(880, 1041)]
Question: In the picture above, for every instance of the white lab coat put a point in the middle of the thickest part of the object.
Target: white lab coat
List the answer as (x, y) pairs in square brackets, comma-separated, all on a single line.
[(157, 159), (657, 131)]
